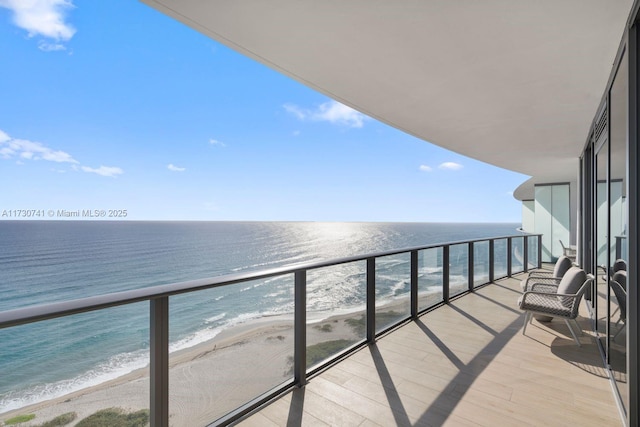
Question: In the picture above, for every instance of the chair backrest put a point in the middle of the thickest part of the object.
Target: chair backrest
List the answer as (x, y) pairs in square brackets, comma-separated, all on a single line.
[(619, 265), (563, 265), (621, 296), (571, 283), (620, 276)]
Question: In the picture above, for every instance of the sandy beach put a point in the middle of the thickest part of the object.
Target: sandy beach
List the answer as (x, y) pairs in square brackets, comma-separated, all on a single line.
[(208, 380), (213, 378)]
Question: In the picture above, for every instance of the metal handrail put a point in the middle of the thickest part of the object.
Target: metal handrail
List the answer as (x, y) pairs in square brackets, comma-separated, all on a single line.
[(158, 296)]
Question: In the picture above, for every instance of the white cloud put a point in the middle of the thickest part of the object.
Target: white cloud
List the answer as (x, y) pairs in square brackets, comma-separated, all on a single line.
[(3, 137), (426, 168), (174, 168), (110, 171), (22, 149), (50, 47), (29, 150), (331, 111), (46, 18), (216, 142), (450, 166), (296, 111)]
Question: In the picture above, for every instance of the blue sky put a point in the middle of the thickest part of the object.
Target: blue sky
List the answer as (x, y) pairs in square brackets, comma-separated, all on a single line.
[(112, 105)]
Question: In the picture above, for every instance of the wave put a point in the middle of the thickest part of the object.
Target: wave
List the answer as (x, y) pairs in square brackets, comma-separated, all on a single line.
[(116, 366), (215, 318), (158, 253)]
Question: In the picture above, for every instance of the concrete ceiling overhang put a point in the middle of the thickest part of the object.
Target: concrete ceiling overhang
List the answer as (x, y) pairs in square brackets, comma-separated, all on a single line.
[(512, 83)]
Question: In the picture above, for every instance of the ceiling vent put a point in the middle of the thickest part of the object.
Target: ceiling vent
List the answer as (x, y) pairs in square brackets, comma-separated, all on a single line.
[(601, 124)]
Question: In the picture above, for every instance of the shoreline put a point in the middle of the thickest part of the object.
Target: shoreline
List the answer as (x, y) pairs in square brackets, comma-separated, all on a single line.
[(211, 374), (212, 378)]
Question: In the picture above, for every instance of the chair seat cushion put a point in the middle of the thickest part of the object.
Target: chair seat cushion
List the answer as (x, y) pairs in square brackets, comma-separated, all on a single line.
[(544, 304)]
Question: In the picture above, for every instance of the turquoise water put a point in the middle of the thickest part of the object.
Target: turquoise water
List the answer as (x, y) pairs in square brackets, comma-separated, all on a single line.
[(42, 262)]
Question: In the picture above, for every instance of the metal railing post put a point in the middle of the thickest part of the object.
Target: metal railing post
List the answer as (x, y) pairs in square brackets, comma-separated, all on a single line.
[(471, 266), (539, 251), (159, 367), (525, 255), (414, 284), (371, 299), (300, 328), (445, 274), (491, 260), (509, 255)]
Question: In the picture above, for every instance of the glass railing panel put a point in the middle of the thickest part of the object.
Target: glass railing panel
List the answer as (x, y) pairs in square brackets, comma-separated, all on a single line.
[(458, 269), (228, 345), (500, 249), (517, 255), (429, 278), (65, 370), (393, 289), (336, 307), (532, 249), (480, 263)]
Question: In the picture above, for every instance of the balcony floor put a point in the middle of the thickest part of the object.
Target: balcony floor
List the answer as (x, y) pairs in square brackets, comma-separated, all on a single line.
[(464, 364)]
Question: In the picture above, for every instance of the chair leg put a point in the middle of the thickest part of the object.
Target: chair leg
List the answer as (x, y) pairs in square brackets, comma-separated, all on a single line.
[(619, 330), (573, 334), (578, 326), (527, 319)]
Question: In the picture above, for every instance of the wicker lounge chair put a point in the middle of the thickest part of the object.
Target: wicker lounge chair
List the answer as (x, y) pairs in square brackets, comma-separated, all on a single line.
[(563, 264), (561, 300)]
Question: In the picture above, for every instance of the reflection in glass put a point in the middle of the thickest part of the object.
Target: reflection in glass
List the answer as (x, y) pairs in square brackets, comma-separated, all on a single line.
[(601, 255), (618, 257)]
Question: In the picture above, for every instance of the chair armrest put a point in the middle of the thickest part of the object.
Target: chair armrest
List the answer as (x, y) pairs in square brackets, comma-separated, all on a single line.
[(544, 287), (546, 280), (541, 274)]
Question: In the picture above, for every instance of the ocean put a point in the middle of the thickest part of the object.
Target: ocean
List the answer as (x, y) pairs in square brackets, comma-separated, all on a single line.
[(46, 261)]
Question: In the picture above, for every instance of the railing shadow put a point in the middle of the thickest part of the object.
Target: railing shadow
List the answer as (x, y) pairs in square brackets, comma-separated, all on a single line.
[(473, 319), (445, 402), (501, 305), (441, 345), (393, 397), (296, 407)]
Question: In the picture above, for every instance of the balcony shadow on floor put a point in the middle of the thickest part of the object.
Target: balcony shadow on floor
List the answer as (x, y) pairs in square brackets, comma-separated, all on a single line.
[(393, 397), (445, 403), (584, 357), (296, 407)]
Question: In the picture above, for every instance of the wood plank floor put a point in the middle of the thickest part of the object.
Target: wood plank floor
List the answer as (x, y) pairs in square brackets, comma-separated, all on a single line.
[(465, 364)]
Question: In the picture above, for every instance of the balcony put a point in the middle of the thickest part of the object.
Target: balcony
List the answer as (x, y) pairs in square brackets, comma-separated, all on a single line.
[(464, 364), (446, 349)]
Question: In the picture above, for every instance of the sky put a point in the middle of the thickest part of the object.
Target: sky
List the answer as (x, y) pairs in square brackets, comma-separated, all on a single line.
[(113, 106)]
